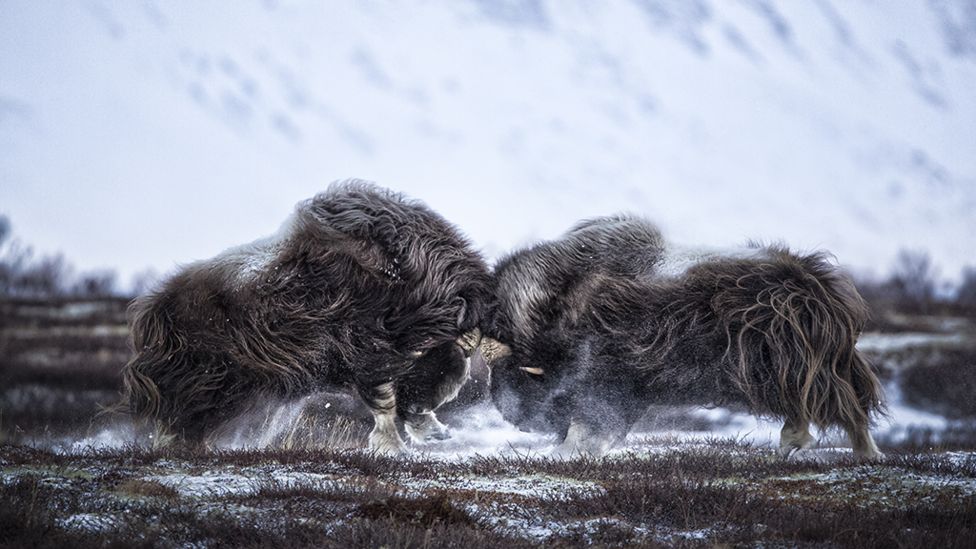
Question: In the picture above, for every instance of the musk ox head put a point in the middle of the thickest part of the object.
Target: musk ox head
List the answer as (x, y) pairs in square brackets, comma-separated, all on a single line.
[(541, 295), (530, 391)]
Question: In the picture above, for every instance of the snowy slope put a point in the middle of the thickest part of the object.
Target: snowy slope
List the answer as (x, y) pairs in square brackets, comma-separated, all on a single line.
[(154, 133)]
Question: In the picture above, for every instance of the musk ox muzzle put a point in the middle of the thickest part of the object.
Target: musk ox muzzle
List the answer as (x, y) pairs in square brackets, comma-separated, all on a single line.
[(607, 320), (361, 287)]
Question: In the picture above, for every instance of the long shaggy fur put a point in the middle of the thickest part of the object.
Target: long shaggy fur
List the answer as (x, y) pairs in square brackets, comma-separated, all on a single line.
[(550, 284), (766, 328), (361, 287)]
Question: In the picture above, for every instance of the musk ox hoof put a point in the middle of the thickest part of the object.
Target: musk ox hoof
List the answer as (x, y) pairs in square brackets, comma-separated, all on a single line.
[(443, 435), (426, 428), (873, 455), (582, 440), (785, 452), (384, 438), (564, 451), (801, 454), (384, 442)]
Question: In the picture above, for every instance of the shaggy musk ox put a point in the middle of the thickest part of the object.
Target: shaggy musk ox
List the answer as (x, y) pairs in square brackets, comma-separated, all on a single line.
[(589, 330), (361, 287)]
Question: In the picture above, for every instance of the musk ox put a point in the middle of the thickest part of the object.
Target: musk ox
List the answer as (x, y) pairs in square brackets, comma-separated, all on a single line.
[(589, 330), (361, 287)]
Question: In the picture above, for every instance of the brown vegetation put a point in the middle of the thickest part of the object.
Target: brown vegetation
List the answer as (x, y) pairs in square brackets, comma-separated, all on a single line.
[(692, 495)]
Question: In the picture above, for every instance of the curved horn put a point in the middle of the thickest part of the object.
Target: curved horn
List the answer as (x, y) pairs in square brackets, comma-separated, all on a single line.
[(492, 349), (469, 341), (533, 371)]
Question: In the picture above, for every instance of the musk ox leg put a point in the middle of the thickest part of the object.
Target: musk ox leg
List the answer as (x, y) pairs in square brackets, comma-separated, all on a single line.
[(604, 408), (863, 443), (584, 439), (597, 426), (425, 427), (794, 436), (435, 379), (384, 437)]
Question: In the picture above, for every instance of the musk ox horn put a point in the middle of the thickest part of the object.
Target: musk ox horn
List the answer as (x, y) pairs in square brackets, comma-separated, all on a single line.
[(492, 350), (469, 341), (533, 371)]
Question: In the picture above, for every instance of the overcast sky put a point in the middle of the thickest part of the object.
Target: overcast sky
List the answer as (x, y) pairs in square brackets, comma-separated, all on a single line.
[(149, 134)]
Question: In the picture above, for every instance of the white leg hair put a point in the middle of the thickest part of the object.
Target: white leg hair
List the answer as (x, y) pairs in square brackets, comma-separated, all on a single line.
[(582, 440), (425, 427), (384, 437), (793, 437), (863, 443)]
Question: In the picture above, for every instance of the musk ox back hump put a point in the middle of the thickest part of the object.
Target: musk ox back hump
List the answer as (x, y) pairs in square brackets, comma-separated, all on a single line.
[(552, 282)]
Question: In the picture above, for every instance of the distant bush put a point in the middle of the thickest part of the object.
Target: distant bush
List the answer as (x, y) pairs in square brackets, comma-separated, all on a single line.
[(95, 284), (48, 276), (945, 384), (913, 280), (966, 294), (144, 281), (913, 289)]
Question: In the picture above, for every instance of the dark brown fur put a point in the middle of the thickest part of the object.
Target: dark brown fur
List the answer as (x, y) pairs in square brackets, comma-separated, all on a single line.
[(363, 287)]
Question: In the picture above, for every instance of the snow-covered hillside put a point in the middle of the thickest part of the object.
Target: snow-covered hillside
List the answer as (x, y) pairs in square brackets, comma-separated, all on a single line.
[(153, 133)]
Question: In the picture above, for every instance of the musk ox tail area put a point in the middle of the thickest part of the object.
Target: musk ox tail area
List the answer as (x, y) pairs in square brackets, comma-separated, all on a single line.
[(186, 391), (792, 324)]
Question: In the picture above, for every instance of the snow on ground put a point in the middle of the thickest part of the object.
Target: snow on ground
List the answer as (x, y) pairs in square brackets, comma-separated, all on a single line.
[(482, 431), (891, 485), (547, 487), (222, 482), (886, 343), (94, 522)]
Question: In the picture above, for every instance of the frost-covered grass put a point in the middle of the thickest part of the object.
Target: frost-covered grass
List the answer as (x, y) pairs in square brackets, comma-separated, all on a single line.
[(688, 494)]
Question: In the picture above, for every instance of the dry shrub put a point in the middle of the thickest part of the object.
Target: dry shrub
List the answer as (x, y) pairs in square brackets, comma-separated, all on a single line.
[(146, 488), (945, 383)]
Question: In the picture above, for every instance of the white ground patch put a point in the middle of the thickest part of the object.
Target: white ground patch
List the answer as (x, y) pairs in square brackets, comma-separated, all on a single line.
[(544, 487), (889, 486), (92, 522), (243, 482), (886, 343), (961, 458)]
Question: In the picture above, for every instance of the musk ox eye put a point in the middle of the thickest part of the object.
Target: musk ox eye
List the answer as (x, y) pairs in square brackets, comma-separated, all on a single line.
[(533, 371)]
